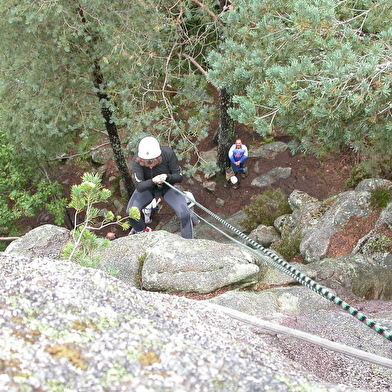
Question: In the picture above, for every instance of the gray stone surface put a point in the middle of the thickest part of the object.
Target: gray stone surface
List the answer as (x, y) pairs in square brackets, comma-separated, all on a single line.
[(290, 301), (370, 184), (356, 274), (106, 321), (348, 205), (46, 240), (77, 329), (161, 261), (268, 151), (195, 266), (278, 173), (264, 235)]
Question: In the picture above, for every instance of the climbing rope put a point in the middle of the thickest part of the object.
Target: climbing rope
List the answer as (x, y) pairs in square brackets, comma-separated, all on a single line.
[(307, 337), (282, 265)]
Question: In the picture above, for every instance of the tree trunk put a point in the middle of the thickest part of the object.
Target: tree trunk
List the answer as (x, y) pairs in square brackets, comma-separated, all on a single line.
[(111, 129), (226, 129), (226, 132)]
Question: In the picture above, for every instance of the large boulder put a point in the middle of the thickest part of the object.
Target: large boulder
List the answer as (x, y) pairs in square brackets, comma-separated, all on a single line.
[(271, 303), (161, 261), (371, 184), (355, 274), (268, 151), (43, 241), (264, 235), (376, 243), (267, 179), (319, 223), (307, 211), (69, 328), (348, 205)]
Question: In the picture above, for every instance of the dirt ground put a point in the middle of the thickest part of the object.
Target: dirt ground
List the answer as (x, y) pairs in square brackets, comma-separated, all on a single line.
[(319, 179)]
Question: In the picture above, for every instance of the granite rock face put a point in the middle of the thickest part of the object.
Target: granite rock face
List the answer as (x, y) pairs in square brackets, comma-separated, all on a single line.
[(66, 327)]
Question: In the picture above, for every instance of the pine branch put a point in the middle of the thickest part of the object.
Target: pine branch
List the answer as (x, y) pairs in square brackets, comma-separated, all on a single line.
[(203, 6), (194, 62)]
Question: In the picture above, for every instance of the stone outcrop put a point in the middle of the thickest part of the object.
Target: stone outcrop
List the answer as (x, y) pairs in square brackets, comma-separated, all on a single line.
[(318, 222), (268, 151), (157, 261), (161, 261), (43, 241), (66, 327), (351, 204), (267, 179), (165, 262)]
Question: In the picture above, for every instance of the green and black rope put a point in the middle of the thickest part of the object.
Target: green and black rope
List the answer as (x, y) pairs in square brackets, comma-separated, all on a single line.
[(282, 265)]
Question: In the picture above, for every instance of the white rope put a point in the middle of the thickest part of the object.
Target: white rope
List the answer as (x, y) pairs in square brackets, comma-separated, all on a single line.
[(307, 337)]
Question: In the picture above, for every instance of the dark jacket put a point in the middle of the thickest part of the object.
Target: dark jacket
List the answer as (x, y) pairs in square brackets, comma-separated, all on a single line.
[(143, 175)]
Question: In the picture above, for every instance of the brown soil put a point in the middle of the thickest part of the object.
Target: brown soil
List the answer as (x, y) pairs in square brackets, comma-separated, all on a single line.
[(344, 241), (318, 178)]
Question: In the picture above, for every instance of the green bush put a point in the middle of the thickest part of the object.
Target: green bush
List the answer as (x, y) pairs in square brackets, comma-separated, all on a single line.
[(265, 209), (289, 247), (84, 245), (379, 244), (373, 166), (361, 172), (380, 198)]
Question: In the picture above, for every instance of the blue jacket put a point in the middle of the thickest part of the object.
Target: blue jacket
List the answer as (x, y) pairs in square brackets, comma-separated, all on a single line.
[(238, 155)]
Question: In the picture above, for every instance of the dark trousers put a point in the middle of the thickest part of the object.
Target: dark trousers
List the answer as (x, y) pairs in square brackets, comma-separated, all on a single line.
[(175, 200)]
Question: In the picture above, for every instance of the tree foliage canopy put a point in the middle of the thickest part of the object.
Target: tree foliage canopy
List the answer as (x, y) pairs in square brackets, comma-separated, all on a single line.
[(143, 51), (319, 70), (140, 48)]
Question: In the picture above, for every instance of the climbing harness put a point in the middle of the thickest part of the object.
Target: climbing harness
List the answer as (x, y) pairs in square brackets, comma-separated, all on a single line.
[(277, 262)]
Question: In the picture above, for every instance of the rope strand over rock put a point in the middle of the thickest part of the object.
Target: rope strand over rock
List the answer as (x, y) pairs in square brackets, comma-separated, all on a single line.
[(282, 265)]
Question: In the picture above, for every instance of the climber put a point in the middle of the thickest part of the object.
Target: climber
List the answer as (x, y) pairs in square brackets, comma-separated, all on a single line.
[(151, 166)]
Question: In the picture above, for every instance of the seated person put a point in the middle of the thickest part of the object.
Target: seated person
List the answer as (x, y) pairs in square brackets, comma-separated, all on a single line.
[(238, 154)]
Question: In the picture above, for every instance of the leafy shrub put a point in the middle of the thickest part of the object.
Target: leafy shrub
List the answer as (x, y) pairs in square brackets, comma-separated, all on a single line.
[(379, 244), (25, 187), (82, 250), (265, 209), (380, 198), (289, 247), (361, 172), (372, 167)]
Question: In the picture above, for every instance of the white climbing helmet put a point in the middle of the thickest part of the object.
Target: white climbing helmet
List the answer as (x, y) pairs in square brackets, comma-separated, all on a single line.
[(233, 180), (149, 148)]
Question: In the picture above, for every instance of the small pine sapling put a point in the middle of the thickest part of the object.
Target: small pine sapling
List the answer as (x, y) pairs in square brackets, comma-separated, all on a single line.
[(85, 243)]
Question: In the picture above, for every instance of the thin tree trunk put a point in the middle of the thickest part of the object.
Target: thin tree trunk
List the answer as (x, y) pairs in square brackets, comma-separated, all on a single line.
[(226, 129), (226, 132), (111, 129)]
